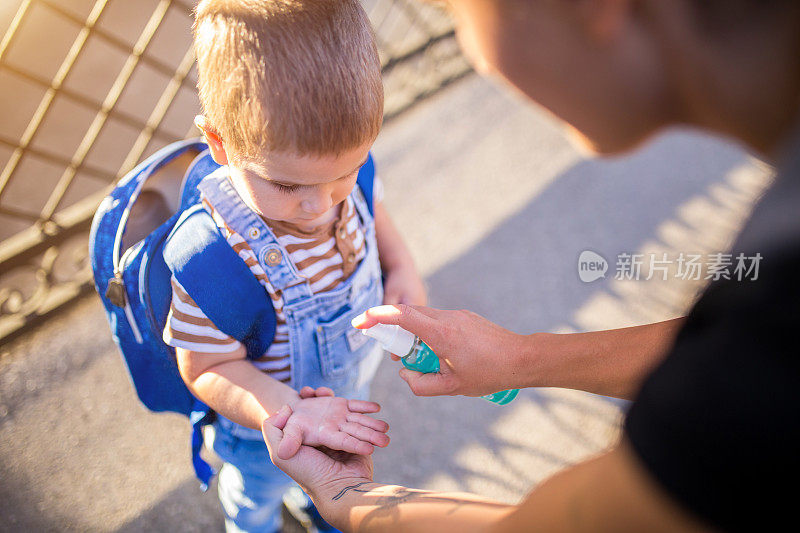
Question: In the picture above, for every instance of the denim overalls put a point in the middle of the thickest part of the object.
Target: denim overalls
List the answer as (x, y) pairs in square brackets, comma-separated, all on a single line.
[(324, 350)]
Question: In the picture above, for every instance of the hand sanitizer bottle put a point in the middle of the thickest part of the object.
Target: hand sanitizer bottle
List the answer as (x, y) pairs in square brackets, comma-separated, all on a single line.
[(416, 355)]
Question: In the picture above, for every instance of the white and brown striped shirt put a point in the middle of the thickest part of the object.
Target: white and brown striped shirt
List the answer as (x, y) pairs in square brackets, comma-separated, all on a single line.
[(325, 256)]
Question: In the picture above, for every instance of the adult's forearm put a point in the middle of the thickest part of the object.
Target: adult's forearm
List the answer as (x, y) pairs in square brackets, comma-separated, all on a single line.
[(366, 506), (612, 362), (611, 492)]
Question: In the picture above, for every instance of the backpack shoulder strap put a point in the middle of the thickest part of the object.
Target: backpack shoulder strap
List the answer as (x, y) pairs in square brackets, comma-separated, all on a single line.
[(366, 180), (202, 166), (219, 281)]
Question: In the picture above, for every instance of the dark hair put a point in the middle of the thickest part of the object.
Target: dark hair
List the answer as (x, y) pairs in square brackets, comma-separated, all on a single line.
[(721, 16)]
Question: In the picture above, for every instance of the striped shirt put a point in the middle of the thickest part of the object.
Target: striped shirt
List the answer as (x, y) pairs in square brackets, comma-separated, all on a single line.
[(325, 256)]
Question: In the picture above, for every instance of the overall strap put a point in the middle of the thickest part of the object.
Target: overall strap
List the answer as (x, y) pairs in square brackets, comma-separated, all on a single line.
[(275, 260), (213, 274)]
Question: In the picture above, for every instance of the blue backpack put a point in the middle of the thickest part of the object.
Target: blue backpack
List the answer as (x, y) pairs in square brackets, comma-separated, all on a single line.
[(151, 227)]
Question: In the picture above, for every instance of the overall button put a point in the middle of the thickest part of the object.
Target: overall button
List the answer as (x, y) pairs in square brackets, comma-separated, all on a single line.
[(351, 257), (273, 257), (254, 232), (343, 233)]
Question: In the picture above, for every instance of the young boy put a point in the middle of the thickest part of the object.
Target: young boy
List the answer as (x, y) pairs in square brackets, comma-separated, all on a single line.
[(293, 100)]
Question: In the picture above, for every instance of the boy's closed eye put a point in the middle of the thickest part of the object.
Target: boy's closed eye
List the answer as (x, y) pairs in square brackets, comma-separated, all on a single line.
[(290, 188)]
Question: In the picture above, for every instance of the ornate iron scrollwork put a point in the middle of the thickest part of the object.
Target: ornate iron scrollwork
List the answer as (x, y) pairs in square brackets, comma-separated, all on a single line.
[(45, 266)]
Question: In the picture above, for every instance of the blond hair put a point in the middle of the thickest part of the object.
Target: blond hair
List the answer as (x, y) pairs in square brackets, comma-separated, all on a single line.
[(298, 76)]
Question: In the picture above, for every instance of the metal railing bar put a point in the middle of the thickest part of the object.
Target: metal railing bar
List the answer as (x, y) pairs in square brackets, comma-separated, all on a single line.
[(79, 43), (430, 11), (89, 170), (56, 224), (383, 15), (383, 46), (157, 65), (408, 30), (47, 100), (122, 116), (16, 213), (84, 99), (11, 32), (63, 296), (161, 108), (427, 93), (378, 25), (110, 101), (393, 62), (415, 18), (113, 40), (27, 244)]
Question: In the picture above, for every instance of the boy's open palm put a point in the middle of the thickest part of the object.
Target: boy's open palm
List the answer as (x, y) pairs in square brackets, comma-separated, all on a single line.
[(336, 423)]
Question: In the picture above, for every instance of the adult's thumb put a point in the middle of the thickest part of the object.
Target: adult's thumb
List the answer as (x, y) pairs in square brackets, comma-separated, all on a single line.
[(272, 429)]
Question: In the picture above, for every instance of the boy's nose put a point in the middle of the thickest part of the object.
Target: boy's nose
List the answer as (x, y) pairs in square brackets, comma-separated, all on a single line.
[(318, 204)]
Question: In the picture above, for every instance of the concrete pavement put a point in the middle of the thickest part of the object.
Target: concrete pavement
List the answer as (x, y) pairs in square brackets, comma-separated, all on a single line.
[(496, 206)]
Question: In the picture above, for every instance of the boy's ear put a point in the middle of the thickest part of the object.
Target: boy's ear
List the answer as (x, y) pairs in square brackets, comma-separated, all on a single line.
[(213, 140)]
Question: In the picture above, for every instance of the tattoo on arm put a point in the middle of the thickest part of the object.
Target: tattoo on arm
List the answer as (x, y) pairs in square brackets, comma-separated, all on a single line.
[(387, 506), (351, 487), (402, 495)]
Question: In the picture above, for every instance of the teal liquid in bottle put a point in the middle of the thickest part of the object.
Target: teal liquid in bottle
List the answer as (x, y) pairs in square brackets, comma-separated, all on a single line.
[(503, 397), (419, 355), (422, 359)]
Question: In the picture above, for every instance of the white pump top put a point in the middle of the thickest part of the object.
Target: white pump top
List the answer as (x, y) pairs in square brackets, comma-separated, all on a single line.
[(394, 339)]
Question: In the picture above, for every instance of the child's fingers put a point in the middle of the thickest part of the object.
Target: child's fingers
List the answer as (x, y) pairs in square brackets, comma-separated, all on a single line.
[(310, 392), (364, 420), (365, 434), (363, 406), (347, 443), (307, 392), (291, 441)]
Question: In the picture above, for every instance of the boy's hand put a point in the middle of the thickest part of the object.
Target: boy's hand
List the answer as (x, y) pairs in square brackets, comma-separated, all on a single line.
[(402, 285), (311, 392), (336, 423)]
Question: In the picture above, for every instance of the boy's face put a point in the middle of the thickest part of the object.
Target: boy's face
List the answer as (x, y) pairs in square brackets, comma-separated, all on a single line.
[(301, 190)]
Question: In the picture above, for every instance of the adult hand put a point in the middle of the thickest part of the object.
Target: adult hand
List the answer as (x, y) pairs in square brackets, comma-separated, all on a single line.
[(317, 470), (476, 356)]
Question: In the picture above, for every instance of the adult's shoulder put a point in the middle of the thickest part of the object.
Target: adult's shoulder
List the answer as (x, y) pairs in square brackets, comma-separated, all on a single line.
[(716, 423)]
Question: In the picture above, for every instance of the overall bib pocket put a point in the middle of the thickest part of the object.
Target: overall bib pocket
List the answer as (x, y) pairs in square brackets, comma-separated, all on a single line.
[(340, 345)]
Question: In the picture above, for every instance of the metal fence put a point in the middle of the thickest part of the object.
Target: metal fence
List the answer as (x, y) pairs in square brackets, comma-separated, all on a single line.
[(88, 88)]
